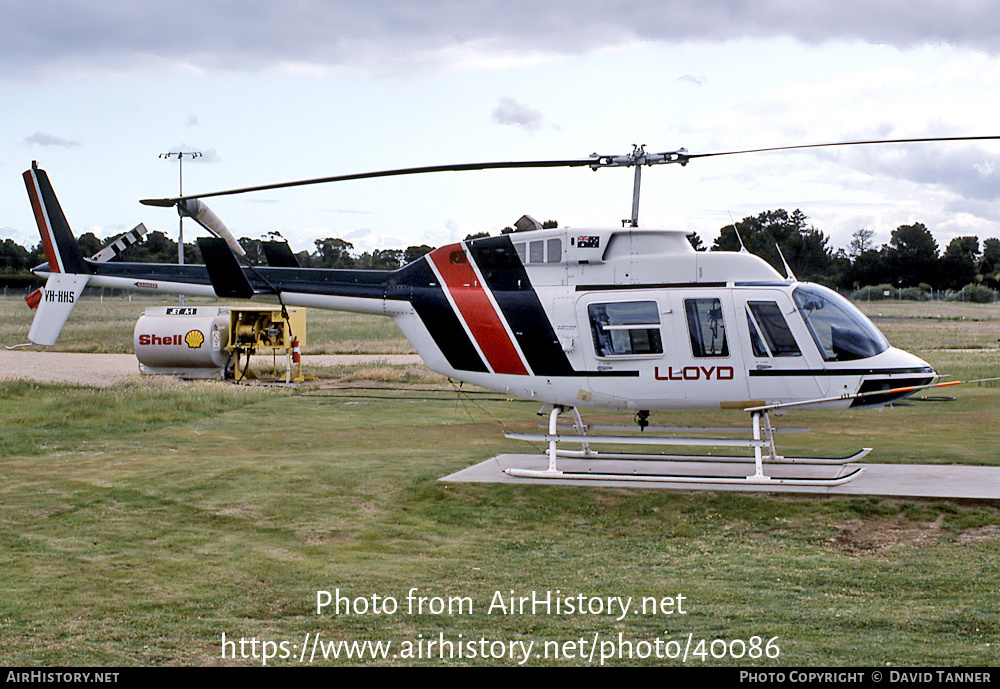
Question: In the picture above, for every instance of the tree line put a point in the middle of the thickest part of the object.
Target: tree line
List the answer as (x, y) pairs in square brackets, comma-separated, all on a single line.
[(910, 259)]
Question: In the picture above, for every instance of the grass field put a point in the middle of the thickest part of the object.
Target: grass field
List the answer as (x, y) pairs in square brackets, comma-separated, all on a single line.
[(141, 523)]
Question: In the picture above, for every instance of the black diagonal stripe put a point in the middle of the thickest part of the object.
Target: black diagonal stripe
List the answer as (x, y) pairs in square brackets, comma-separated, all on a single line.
[(507, 279), (438, 316)]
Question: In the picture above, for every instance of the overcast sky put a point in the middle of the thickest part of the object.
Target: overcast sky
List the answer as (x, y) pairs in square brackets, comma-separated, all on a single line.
[(271, 91)]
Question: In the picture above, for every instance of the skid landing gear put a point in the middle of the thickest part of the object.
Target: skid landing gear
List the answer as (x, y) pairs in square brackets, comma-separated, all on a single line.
[(714, 469)]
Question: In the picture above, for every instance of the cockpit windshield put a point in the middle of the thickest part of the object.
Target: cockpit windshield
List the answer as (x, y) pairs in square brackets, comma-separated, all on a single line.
[(840, 330)]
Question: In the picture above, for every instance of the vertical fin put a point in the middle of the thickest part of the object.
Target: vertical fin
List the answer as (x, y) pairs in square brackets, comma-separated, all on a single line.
[(61, 248), (68, 272), (59, 296)]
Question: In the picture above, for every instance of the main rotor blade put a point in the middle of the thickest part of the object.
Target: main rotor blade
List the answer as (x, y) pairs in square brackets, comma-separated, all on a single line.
[(463, 167), (637, 157), (690, 156)]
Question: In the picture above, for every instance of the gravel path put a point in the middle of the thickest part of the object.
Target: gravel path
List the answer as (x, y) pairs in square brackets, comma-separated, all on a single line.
[(106, 369)]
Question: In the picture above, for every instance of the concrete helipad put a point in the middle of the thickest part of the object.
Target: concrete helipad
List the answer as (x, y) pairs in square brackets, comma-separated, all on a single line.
[(904, 480)]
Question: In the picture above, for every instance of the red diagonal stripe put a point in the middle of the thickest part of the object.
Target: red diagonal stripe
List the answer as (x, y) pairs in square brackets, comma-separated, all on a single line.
[(475, 308), (48, 242)]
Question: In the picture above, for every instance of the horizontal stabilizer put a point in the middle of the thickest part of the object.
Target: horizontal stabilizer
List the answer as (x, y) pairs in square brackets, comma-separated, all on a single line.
[(115, 248), (228, 278), (34, 298), (59, 296), (279, 255)]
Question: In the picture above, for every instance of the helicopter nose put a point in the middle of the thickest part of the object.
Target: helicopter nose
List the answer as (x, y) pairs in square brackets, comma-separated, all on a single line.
[(904, 366), (916, 365), (899, 376)]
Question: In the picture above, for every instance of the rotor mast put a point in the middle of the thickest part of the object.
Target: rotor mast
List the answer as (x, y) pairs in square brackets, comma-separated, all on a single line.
[(638, 157)]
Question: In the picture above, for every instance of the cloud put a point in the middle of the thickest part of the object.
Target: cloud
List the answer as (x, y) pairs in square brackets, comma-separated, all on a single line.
[(967, 171), (511, 111), (210, 155), (43, 139), (692, 79), (357, 234), (250, 36)]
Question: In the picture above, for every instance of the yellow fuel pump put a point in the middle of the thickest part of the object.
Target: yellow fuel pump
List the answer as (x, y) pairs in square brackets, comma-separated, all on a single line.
[(254, 328)]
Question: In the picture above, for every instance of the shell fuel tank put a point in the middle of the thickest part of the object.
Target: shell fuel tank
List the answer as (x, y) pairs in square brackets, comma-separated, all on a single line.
[(185, 341)]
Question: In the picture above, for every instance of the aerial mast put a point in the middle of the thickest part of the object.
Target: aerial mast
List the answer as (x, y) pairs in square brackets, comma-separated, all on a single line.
[(180, 166)]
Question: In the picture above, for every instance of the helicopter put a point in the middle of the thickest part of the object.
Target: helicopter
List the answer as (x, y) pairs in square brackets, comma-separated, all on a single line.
[(623, 318)]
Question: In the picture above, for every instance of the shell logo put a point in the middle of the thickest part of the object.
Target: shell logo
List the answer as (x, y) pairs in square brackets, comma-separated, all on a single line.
[(194, 339)]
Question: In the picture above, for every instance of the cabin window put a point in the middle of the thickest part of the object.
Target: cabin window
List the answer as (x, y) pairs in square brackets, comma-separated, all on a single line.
[(553, 250), (774, 327), (625, 328), (519, 248), (536, 252), (540, 251), (756, 341), (707, 327)]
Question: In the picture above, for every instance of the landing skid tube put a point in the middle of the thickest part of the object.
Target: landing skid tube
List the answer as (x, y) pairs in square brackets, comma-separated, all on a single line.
[(727, 459), (758, 444)]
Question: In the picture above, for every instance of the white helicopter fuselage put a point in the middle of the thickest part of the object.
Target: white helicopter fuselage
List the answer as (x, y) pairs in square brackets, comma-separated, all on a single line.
[(643, 321)]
